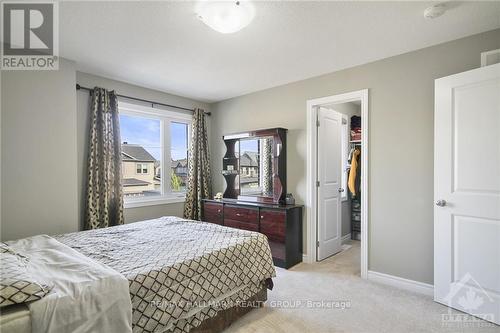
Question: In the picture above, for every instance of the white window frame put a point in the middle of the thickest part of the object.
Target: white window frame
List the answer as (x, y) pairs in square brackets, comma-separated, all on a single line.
[(165, 116), (345, 155)]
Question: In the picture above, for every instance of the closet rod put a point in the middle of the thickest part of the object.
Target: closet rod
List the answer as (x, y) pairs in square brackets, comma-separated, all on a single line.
[(79, 87)]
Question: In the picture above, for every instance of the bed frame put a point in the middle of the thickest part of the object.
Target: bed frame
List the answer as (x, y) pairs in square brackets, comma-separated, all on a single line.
[(225, 318)]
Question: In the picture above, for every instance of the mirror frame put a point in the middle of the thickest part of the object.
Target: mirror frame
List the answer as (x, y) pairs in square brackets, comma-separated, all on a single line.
[(233, 190)]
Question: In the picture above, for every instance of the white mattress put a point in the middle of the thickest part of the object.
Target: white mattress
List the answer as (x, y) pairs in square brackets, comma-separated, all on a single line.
[(15, 319)]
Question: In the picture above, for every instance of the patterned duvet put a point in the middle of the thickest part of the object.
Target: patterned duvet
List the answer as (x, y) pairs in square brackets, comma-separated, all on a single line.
[(180, 272)]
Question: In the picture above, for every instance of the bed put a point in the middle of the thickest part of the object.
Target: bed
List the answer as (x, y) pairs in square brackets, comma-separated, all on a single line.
[(183, 275)]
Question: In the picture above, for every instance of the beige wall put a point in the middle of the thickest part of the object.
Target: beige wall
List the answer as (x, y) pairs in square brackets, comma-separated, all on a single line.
[(88, 80), (43, 143), (39, 160), (401, 142)]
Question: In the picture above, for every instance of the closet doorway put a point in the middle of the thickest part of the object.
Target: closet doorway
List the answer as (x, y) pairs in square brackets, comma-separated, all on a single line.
[(337, 177)]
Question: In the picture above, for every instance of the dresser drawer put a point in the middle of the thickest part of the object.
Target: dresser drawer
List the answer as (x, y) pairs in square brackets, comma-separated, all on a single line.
[(272, 224), (241, 217), (212, 212)]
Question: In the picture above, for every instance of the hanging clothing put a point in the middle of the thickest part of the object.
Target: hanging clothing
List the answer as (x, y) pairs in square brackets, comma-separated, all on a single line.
[(353, 173), (349, 158)]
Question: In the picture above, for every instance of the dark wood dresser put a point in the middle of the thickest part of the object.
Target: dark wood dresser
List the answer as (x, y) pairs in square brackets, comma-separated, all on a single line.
[(282, 224)]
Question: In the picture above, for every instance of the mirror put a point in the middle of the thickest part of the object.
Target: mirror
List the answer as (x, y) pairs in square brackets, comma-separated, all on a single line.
[(256, 169), (254, 165)]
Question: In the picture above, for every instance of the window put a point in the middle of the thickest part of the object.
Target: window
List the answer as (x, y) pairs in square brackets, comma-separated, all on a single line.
[(141, 168), (154, 154), (249, 164), (179, 155)]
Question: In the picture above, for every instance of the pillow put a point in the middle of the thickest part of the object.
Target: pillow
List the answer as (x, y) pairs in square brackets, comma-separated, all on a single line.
[(4, 248), (17, 286)]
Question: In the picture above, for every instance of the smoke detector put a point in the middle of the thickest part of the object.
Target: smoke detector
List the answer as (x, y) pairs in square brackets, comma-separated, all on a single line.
[(434, 11)]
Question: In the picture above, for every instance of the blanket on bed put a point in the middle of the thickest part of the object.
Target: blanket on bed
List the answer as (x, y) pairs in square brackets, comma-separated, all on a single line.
[(86, 296), (180, 272)]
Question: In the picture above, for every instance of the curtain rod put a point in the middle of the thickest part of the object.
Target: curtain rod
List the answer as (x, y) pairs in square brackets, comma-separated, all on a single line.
[(79, 87)]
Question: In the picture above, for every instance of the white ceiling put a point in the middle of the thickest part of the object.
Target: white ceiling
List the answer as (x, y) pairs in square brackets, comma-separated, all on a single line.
[(162, 45)]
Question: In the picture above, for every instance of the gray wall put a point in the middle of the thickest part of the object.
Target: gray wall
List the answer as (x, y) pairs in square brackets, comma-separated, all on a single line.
[(39, 159), (401, 142), (0, 155), (43, 149), (88, 80)]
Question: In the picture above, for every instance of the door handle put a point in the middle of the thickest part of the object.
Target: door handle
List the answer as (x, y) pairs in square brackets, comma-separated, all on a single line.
[(441, 203), (341, 190)]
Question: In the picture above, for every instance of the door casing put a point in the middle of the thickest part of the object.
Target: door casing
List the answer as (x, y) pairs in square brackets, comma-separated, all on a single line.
[(311, 196)]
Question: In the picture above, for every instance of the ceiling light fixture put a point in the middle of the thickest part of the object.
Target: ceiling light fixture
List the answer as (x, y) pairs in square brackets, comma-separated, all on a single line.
[(225, 16), (434, 11)]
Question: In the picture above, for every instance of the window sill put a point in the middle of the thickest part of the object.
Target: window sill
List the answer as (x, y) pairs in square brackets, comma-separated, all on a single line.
[(134, 203)]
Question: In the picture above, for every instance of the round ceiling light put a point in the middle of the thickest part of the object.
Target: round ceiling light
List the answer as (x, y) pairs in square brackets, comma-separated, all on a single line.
[(434, 11), (225, 16)]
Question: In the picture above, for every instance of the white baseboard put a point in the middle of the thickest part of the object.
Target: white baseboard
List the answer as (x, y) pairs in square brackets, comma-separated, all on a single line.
[(401, 283), (346, 237), (305, 258)]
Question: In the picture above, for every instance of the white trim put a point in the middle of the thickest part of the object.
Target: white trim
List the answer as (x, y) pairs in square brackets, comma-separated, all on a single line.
[(161, 200), (165, 118), (401, 283), (345, 238), (305, 258), (153, 111), (311, 200), (484, 57), (345, 151)]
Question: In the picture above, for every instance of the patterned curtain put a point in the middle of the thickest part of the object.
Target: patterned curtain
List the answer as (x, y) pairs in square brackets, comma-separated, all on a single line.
[(267, 172), (199, 183), (104, 197)]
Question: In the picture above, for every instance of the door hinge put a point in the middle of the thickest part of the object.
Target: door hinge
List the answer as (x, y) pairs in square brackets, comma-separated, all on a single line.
[(317, 243), (317, 183), (317, 123)]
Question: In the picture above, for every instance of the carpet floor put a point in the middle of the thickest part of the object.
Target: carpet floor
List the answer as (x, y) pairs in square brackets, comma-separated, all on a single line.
[(330, 296)]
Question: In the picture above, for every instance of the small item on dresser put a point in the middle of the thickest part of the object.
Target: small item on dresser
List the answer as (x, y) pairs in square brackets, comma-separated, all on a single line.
[(230, 167), (218, 196), (289, 200)]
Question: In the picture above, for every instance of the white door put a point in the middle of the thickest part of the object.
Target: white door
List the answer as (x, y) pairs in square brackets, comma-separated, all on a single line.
[(329, 181), (467, 192)]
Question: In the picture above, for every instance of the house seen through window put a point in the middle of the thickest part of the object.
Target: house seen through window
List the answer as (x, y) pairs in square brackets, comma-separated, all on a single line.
[(151, 141)]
